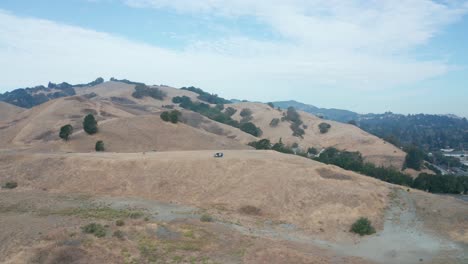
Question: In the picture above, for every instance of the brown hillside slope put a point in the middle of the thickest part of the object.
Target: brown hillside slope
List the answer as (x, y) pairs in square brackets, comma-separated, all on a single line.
[(144, 133), (42, 123), (121, 130), (8, 111), (285, 188), (342, 136)]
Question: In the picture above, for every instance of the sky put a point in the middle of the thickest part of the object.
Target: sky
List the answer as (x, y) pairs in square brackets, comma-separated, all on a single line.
[(407, 56)]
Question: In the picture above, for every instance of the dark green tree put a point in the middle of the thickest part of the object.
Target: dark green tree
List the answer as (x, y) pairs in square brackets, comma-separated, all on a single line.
[(274, 122), (363, 227), (261, 144), (230, 111), (165, 116), (324, 127), (90, 124), (414, 158), (100, 145), (65, 132), (251, 129), (174, 116)]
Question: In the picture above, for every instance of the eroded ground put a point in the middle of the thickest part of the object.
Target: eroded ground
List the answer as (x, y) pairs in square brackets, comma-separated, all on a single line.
[(40, 227)]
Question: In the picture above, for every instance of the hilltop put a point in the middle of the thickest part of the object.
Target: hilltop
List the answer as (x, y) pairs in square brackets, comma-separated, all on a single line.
[(130, 124)]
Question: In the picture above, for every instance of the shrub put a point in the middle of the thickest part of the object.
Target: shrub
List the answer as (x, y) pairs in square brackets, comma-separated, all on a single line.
[(141, 90), (414, 159), (172, 116), (261, 144), (119, 223), (250, 210), (65, 132), (90, 124), (363, 227), (230, 111), (207, 97), (165, 116), (270, 104), (297, 131), (274, 122), (100, 145), (324, 127), (312, 151), (10, 185), (246, 112), (119, 234), (251, 129), (206, 218), (96, 229)]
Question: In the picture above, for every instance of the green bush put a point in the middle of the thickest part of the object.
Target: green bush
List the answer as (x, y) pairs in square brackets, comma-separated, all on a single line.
[(172, 116), (120, 222), (96, 229), (246, 112), (90, 124), (119, 234), (324, 127), (206, 218), (363, 227), (141, 90), (312, 151), (99, 146), (274, 122), (261, 144), (10, 185), (165, 116), (251, 129), (65, 132), (230, 111), (414, 159)]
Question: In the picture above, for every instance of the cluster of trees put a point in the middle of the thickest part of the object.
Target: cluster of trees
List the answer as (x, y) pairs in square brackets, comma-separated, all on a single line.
[(324, 127), (426, 182), (172, 116), (354, 161), (89, 126), (441, 183), (428, 132), (414, 158), (216, 113), (141, 90), (30, 97), (293, 116), (207, 97), (266, 144)]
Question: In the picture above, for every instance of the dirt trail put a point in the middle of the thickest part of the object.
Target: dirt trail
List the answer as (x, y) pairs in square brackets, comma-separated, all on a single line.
[(403, 239)]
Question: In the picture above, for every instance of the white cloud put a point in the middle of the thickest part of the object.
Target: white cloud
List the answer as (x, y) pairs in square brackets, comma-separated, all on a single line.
[(359, 45)]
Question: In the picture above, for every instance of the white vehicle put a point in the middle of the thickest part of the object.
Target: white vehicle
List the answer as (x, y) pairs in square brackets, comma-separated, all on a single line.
[(219, 155)]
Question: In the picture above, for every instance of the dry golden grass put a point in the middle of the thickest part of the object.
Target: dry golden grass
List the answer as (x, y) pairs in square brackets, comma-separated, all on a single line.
[(284, 187), (341, 136)]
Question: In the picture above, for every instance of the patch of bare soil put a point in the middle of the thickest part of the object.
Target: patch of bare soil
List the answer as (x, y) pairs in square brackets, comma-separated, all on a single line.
[(45, 228)]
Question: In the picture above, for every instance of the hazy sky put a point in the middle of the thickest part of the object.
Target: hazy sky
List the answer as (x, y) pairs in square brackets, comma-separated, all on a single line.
[(407, 56)]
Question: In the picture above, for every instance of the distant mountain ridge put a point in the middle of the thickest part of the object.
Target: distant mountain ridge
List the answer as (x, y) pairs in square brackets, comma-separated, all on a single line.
[(339, 115), (427, 131), (30, 97)]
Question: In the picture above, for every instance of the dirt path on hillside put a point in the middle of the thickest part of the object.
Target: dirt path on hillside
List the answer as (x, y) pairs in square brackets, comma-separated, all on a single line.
[(403, 239)]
